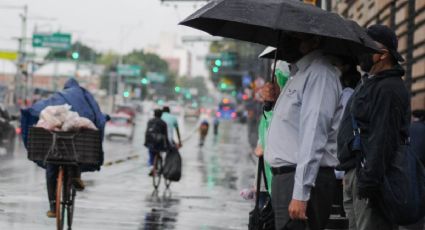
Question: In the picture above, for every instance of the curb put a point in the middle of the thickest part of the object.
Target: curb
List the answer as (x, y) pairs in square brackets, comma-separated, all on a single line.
[(121, 160)]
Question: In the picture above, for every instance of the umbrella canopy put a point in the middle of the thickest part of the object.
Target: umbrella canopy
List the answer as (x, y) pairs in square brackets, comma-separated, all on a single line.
[(270, 52), (263, 21)]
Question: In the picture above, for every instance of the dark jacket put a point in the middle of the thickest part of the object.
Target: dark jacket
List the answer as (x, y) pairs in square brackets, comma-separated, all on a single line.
[(417, 139), (80, 100), (381, 106)]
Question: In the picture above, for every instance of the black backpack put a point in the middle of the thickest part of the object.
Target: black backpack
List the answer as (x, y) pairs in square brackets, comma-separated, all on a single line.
[(401, 197), (154, 136)]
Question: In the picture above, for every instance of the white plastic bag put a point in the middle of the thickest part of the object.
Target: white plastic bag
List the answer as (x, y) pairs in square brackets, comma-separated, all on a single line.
[(54, 116), (61, 117), (71, 121), (84, 123)]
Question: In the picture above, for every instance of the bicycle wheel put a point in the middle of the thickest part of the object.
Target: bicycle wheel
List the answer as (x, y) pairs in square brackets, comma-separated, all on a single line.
[(157, 171), (71, 205), (60, 207)]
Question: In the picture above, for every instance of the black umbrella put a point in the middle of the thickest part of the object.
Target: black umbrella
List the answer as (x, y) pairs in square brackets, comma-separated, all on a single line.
[(261, 21), (267, 21), (270, 52)]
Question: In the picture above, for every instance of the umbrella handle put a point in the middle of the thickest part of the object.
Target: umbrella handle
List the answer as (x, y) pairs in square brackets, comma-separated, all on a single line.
[(268, 105)]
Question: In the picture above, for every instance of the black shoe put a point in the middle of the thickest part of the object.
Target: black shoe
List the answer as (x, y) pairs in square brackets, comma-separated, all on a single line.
[(78, 184)]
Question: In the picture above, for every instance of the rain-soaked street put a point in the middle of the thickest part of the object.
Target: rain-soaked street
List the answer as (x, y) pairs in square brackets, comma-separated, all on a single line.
[(121, 196)]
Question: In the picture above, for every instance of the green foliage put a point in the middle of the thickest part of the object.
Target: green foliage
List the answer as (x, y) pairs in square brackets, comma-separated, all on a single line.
[(85, 53), (196, 82)]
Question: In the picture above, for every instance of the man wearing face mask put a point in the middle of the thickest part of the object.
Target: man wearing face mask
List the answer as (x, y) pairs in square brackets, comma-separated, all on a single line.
[(381, 106), (301, 140)]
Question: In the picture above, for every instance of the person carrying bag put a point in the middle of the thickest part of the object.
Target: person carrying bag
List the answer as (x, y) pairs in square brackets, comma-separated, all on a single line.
[(261, 218)]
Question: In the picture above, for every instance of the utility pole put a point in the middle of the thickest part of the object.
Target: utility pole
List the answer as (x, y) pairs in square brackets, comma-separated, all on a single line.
[(22, 56), (17, 90)]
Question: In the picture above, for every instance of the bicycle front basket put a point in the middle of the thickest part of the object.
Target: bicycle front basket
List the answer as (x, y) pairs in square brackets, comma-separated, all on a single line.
[(82, 147)]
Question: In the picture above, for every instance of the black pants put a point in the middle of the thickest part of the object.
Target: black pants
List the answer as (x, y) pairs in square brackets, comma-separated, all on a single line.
[(51, 181), (318, 207)]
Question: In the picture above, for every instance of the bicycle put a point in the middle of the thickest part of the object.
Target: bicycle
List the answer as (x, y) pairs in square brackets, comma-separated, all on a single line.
[(66, 150), (157, 170), (65, 197)]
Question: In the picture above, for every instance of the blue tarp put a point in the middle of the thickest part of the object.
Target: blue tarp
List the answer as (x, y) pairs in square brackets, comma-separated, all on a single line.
[(80, 100)]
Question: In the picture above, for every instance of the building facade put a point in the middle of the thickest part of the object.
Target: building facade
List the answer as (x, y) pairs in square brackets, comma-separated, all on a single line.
[(407, 18)]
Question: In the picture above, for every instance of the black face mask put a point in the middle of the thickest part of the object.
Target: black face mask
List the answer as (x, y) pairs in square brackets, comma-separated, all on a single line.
[(291, 49), (366, 62)]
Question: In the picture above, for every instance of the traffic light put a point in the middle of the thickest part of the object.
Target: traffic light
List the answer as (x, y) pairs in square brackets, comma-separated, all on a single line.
[(215, 69), (75, 55), (218, 62), (177, 89), (223, 86), (126, 94), (144, 81)]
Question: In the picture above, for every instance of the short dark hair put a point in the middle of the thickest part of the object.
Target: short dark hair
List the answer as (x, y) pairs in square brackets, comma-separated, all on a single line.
[(157, 113), (419, 113), (166, 109)]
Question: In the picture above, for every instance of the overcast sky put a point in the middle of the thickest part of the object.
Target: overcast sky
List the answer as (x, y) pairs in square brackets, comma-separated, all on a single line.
[(102, 24)]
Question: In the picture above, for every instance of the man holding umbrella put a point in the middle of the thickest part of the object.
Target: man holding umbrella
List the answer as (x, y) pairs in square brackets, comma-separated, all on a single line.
[(301, 143)]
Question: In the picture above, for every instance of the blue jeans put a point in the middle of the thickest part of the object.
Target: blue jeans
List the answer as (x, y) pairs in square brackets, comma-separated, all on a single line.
[(151, 157)]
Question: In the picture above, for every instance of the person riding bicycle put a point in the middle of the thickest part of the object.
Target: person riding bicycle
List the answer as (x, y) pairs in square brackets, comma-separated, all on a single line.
[(82, 102), (172, 124), (203, 131), (156, 137)]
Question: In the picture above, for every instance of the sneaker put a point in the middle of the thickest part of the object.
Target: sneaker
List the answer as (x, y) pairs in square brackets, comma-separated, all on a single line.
[(78, 184), (51, 214)]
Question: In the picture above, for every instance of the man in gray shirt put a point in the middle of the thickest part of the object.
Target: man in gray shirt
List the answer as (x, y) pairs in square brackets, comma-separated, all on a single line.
[(301, 140)]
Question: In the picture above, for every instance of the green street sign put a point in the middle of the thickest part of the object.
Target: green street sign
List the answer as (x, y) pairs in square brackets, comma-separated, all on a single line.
[(129, 70), (55, 40), (156, 77)]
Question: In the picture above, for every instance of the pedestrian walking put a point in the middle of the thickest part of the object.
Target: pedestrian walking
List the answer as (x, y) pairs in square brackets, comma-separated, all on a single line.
[(156, 137), (301, 141), (380, 105)]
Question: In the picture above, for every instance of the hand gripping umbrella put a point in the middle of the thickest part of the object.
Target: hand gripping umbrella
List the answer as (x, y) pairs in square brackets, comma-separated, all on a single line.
[(267, 21)]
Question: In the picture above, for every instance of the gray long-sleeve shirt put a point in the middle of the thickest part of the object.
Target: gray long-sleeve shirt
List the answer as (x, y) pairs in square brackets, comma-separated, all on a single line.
[(305, 120)]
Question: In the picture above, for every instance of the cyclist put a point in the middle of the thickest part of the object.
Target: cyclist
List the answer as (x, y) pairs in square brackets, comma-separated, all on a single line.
[(203, 131), (85, 105), (172, 124), (156, 137)]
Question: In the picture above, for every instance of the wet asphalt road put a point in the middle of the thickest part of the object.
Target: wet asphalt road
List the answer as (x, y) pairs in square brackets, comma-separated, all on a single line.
[(121, 196)]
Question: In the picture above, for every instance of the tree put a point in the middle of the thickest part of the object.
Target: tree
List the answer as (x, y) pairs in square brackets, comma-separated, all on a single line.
[(196, 82), (149, 62), (85, 53)]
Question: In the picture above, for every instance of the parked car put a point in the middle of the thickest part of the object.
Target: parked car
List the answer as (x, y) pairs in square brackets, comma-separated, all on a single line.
[(191, 111), (127, 109), (8, 131), (120, 125)]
